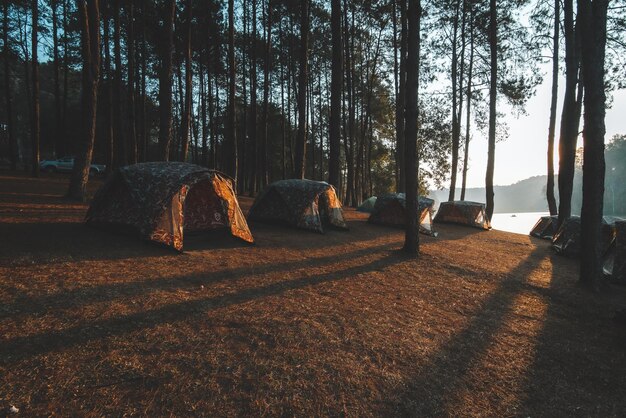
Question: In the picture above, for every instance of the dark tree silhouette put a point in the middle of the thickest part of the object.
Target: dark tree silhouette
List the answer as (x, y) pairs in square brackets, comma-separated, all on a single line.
[(491, 149), (165, 80), (89, 13), (36, 126), (335, 96), (300, 157), (553, 101), (593, 18), (411, 239)]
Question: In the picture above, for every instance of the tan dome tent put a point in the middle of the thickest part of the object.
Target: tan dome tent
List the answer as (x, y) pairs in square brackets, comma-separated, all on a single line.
[(545, 227), (161, 200), (390, 210), (305, 204), (463, 212)]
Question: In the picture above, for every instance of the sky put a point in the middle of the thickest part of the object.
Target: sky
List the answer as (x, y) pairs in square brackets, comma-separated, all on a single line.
[(523, 154)]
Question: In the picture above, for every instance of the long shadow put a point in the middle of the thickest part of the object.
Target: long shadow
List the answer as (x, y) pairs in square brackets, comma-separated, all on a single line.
[(580, 359), (19, 348), (52, 242), (426, 393), (106, 292)]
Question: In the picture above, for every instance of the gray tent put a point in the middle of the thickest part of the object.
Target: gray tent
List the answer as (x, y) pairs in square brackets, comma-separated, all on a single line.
[(368, 205), (463, 212), (567, 241), (305, 204), (390, 210)]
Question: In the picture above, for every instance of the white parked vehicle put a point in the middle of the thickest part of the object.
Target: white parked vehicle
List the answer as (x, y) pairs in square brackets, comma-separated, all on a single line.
[(66, 165)]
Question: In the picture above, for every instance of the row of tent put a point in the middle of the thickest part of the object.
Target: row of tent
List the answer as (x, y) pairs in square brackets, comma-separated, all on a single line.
[(162, 200), (566, 241)]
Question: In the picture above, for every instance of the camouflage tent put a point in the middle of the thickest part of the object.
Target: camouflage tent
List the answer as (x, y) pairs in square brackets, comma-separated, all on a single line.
[(390, 210), (305, 204), (567, 239), (545, 227), (464, 213), (160, 200), (368, 205)]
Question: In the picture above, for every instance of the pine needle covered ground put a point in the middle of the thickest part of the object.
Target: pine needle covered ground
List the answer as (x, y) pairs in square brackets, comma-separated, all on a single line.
[(483, 323)]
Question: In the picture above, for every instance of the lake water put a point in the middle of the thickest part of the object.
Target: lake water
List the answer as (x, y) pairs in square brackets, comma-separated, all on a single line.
[(520, 223)]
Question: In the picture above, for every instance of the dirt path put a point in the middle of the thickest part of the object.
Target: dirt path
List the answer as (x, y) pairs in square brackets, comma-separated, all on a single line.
[(483, 323)]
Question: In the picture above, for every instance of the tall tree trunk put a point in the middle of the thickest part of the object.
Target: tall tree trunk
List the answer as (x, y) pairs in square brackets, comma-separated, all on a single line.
[(120, 138), (300, 158), (411, 239), (593, 17), (491, 148), (35, 133), (254, 139), (186, 116), (469, 108), (455, 120), (65, 76), (142, 108), (335, 96), (108, 94), (90, 41), (400, 100), (130, 44), (555, 90), (203, 114), (56, 143), (13, 145), (351, 103), (165, 81), (570, 115), (263, 174), (232, 126)]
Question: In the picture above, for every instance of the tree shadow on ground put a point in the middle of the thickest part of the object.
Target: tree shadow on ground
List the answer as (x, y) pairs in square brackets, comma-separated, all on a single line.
[(442, 375), (19, 348), (579, 365), (37, 305)]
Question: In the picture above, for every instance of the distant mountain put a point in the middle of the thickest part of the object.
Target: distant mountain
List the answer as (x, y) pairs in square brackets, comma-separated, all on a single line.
[(527, 195)]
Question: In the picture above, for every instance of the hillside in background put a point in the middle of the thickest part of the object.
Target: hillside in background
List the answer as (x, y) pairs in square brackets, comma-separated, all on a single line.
[(524, 196)]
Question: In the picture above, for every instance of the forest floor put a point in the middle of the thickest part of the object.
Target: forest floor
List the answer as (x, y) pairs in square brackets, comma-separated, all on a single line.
[(482, 323)]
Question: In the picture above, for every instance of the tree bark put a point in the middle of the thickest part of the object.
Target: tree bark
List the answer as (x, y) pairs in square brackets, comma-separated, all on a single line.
[(186, 116), (165, 81), (593, 17), (56, 143), (570, 115), (232, 127), (335, 96), (553, 101), (491, 148), (120, 139), (400, 100), (469, 107), (263, 173), (108, 94), (13, 145), (455, 120), (300, 157), (254, 139), (90, 41), (411, 238), (35, 133), (131, 82)]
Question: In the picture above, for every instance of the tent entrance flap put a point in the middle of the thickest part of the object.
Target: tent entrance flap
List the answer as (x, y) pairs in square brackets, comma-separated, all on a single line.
[(203, 209)]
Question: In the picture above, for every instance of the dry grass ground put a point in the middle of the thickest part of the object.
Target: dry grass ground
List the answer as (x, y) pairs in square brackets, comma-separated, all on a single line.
[(483, 323)]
